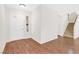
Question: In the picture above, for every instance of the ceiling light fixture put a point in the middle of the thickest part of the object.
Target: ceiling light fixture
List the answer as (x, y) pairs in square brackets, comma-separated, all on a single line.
[(22, 5)]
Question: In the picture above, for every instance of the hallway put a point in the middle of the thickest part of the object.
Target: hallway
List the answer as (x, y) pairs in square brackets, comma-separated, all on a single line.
[(23, 28)]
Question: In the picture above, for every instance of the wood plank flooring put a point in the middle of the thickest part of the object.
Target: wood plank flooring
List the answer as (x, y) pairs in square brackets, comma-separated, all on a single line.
[(61, 45), (24, 46)]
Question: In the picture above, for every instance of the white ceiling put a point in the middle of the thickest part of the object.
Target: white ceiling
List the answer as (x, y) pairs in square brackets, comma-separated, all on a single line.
[(29, 7)]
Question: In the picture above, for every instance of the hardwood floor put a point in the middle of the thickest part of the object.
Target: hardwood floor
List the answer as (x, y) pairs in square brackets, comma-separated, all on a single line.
[(24, 46), (76, 45), (62, 45)]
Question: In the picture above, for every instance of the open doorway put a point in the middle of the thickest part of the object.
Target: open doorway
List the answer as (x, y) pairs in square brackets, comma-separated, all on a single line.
[(70, 28)]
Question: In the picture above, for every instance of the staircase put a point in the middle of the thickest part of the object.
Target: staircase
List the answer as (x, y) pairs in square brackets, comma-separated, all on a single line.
[(69, 30)]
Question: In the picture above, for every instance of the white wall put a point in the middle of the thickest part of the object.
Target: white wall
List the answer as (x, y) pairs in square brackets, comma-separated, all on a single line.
[(63, 24), (36, 24), (3, 28), (53, 22)]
